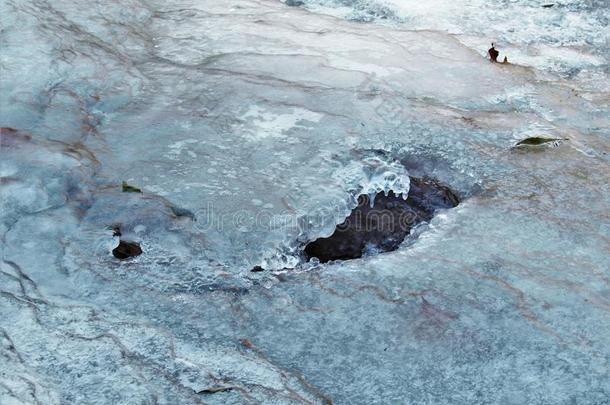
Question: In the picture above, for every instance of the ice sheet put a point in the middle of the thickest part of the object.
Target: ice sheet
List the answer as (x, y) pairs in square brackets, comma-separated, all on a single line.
[(251, 127)]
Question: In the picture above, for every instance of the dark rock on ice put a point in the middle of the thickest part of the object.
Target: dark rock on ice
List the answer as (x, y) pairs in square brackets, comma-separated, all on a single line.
[(493, 53), (129, 189), (539, 140), (294, 3), (385, 225), (214, 390), (127, 249), (182, 212)]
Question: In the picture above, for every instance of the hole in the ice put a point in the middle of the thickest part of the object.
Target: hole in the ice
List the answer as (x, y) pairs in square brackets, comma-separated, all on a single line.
[(385, 225), (126, 250)]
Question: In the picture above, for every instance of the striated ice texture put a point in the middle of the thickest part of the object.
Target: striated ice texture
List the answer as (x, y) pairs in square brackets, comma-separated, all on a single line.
[(564, 36), (251, 127)]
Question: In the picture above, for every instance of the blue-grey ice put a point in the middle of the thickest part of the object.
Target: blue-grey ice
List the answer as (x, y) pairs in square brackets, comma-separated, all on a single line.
[(251, 127)]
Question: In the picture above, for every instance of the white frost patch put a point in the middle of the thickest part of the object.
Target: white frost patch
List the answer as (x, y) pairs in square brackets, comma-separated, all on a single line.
[(267, 124), (176, 148)]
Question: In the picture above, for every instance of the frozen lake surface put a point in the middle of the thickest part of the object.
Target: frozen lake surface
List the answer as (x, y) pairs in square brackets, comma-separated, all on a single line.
[(251, 127)]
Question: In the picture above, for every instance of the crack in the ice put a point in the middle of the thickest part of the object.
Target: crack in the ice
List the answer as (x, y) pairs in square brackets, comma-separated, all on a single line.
[(287, 373)]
